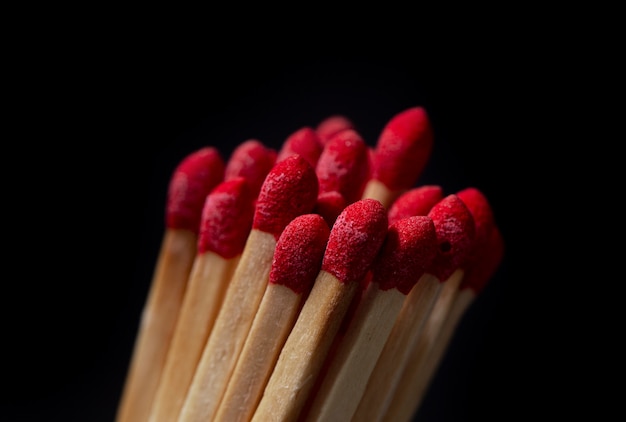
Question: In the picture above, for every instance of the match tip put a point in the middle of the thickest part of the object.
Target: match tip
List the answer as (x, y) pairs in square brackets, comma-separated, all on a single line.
[(417, 201), (289, 190), (304, 142), (355, 239), (486, 263), (407, 252), (403, 149), (227, 218), (479, 206), (331, 125), (299, 251), (251, 160), (343, 165), (329, 205), (194, 177), (455, 229)]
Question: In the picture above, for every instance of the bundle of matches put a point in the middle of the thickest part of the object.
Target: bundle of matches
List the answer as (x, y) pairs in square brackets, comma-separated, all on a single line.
[(317, 282)]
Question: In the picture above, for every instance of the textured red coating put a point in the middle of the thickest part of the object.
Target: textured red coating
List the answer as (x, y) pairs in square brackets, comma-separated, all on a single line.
[(329, 205), (417, 201), (403, 149), (299, 251), (194, 177), (332, 125), (289, 190), (486, 264), (343, 165), (355, 239), (409, 248), (226, 218), (455, 235), (304, 142), (479, 206), (251, 160)]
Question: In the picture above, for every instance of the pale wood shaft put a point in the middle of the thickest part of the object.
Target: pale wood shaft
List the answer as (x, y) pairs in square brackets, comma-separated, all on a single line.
[(415, 310), (158, 319), (305, 350), (377, 190), (231, 327), (357, 353), (203, 298), (413, 387), (271, 326)]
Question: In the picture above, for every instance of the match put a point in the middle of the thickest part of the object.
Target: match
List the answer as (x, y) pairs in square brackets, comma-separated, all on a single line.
[(316, 282)]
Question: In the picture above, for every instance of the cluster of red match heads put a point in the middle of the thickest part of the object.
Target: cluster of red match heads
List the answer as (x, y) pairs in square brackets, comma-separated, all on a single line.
[(330, 170)]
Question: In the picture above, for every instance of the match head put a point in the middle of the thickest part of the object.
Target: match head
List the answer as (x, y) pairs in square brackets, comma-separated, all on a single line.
[(329, 205), (343, 165), (417, 201), (251, 160), (403, 149), (289, 190), (194, 177), (455, 235), (299, 251), (407, 252), (479, 206), (227, 218), (486, 263), (304, 142), (355, 239), (331, 126)]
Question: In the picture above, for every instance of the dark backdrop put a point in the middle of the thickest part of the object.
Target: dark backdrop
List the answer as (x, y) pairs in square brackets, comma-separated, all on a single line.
[(107, 131)]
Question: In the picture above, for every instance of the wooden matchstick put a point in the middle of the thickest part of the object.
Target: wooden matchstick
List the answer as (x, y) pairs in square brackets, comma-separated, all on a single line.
[(409, 247), (400, 155), (402, 406), (417, 377), (251, 160), (296, 263), (354, 241), (455, 233), (226, 223), (194, 177), (289, 190)]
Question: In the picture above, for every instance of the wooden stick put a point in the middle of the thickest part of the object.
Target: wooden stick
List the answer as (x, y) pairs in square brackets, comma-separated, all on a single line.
[(296, 263), (408, 250), (226, 223), (191, 181), (289, 190), (425, 360), (401, 153), (354, 240), (455, 229)]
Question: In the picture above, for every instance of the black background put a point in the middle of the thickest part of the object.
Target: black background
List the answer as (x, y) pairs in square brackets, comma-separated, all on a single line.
[(107, 125)]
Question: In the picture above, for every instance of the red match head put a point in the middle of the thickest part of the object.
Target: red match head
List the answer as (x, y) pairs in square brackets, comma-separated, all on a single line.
[(417, 201), (299, 251), (455, 235), (289, 190), (486, 263), (227, 218), (403, 149), (355, 239), (304, 142), (194, 177), (329, 205), (408, 250), (482, 213), (343, 165), (251, 160), (332, 125)]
